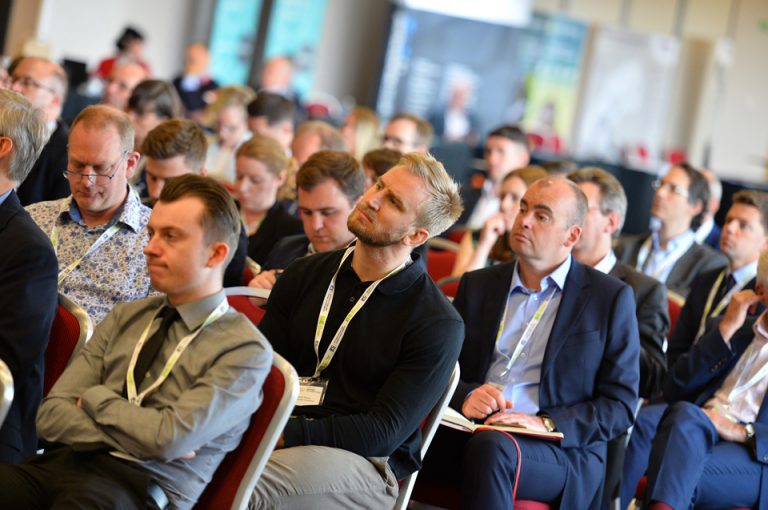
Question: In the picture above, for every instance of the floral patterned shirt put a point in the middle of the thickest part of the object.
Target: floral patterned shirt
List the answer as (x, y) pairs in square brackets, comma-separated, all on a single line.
[(115, 271)]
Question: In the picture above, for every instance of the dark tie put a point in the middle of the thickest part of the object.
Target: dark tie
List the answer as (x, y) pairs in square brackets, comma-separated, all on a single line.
[(152, 346), (728, 283)]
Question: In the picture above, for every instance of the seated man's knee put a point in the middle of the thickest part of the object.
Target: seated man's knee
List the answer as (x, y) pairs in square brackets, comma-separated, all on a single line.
[(489, 448)]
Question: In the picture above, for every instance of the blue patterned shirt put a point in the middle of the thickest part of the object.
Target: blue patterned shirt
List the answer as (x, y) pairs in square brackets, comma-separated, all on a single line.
[(116, 272)]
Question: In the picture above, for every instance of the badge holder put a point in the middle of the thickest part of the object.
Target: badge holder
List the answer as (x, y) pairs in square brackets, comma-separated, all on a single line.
[(311, 391)]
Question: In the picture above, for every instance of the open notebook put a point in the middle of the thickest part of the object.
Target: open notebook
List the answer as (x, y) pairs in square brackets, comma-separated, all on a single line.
[(457, 421)]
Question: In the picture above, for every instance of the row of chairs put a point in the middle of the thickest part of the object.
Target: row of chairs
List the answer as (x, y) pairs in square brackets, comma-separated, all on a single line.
[(238, 473)]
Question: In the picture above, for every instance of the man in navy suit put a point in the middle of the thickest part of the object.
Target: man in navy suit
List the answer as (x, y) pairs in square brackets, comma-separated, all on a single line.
[(28, 270), (550, 345), (745, 236), (710, 449)]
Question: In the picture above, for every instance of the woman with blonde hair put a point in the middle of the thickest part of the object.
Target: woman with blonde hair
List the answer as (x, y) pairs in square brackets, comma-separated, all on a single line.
[(229, 115), (261, 166), (490, 244), (361, 131)]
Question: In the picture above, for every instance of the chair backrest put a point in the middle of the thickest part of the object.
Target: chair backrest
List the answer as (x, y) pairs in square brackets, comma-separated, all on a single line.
[(449, 285), (440, 263), (70, 330), (236, 476), (674, 307), (238, 299), (428, 430), (6, 390)]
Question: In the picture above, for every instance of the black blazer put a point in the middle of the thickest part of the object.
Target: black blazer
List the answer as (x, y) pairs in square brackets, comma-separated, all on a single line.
[(653, 323), (28, 300), (469, 197), (46, 180), (276, 225), (590, 373), (694, 262)]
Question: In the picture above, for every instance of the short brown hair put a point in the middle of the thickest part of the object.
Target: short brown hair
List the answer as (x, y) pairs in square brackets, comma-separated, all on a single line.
[(265, 150), (155, 96), (757, 199), (381, 160), (612, 195), (101, 116), (424, 131), (527, 174), (341, 167), (177, 137), (220, 219)]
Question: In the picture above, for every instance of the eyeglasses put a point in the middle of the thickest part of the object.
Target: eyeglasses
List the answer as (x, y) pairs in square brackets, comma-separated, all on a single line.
[(102, 175), (26, 82), (671, 187)]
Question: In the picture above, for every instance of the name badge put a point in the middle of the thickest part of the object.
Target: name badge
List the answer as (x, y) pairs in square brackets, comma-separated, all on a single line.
[(311, 391)]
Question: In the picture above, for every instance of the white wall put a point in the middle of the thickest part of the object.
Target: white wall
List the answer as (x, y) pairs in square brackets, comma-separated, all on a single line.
[(86, 30)]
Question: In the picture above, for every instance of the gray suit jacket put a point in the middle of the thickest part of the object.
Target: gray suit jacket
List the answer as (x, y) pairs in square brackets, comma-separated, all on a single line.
[(689, 266)]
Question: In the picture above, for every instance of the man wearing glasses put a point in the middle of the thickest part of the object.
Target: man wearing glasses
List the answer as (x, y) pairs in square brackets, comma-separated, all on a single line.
[(44, 83), (99, 231), (407, 132), (669, 252)]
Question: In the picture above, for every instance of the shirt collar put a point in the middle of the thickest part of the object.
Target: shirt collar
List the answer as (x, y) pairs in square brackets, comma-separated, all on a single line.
[(5, 195), (606, 263), (194, 313), (686, 238), (556, 277), (130, 214), (704, 229), (744, 271), (396, 283)]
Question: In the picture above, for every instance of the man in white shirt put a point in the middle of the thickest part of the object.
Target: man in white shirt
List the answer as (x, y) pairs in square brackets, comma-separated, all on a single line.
[(710, 448)]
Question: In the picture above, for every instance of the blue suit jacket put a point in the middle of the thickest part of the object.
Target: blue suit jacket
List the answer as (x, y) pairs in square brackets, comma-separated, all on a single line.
[(699, 373), (28, 299), (688, 322), (590, 374)]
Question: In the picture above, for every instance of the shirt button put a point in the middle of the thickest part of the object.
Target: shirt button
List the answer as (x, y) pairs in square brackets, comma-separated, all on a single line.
[(352, 299), (522, 355)]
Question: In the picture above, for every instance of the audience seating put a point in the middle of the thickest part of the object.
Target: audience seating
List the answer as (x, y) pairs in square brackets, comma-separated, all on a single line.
[(675, 304), (440, 263), (252, 268), (70, 330), (449, 285), (238, 298), (640, 494), (6, 390), (428, 430), (235, 478)]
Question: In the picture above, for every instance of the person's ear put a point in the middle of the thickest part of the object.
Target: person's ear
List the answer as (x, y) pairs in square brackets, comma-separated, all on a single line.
[(217, 254)]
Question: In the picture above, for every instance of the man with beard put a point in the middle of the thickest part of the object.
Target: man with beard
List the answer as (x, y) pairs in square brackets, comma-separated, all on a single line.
[(375, 342)]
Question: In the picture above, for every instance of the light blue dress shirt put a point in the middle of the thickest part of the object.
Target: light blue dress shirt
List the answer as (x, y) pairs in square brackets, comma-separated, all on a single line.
[(4, 196), (521, 382), (659, 262)]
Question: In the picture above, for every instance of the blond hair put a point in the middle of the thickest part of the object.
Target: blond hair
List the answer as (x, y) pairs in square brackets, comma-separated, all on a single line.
[(443, 206)]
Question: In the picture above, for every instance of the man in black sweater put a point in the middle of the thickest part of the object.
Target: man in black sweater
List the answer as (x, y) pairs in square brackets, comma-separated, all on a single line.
[(385, 343)]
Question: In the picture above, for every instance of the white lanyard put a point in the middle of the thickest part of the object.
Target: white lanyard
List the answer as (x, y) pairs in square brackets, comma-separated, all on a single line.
[(643, 256), (133, 398), (326, 308), (111, 231), (748, 275), (740, 386), (527, 333)]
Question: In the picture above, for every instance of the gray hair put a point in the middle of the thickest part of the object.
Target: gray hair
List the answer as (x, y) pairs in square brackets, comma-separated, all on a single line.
[(612, 195), (443, 207), (24, 125)]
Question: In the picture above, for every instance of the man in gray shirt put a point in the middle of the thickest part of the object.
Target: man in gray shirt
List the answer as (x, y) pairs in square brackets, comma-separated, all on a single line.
[(166, 386)]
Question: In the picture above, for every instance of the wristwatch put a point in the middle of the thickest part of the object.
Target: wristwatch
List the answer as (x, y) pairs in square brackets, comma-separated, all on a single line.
[(550, 425), (749, 429)]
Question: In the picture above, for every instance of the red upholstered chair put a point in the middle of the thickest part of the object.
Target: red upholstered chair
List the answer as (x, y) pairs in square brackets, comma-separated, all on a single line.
[(449, 285), (70, 330), (428, 430), (236, 476), (6, 390), (674, 304), (238, 299), (640, 494), (440, 263)]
